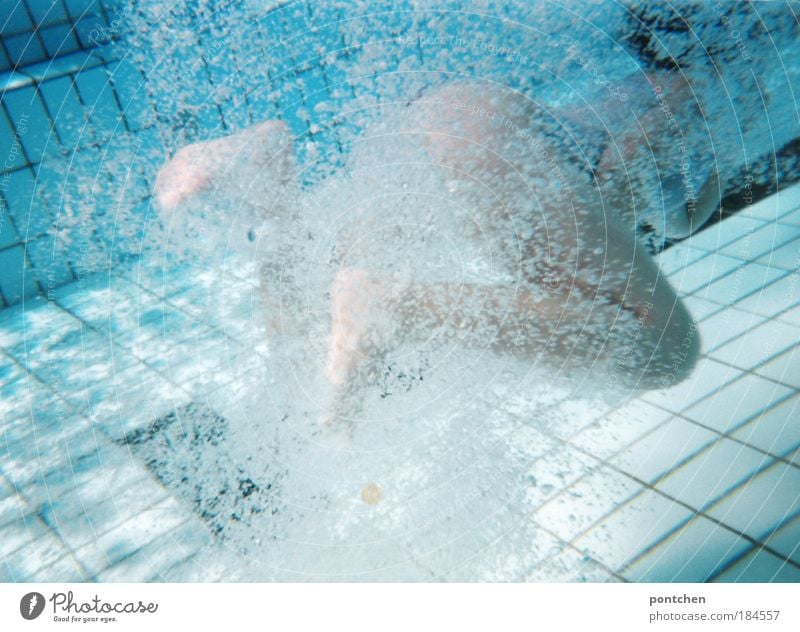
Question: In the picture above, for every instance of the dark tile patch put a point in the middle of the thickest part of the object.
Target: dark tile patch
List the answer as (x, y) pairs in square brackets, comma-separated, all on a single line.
[(185, 450)]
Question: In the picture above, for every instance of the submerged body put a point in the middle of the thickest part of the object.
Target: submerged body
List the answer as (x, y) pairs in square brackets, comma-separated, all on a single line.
[(477, 169)]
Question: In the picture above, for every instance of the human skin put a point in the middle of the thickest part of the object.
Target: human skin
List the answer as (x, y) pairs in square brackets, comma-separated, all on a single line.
[(601, 281), (469, 130)]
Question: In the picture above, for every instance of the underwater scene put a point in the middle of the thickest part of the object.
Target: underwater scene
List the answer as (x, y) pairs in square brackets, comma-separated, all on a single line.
[(399, 290)]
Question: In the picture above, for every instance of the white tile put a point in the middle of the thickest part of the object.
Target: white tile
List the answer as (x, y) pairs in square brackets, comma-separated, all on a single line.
[(786, 256), (791, 316), (756, 244), (554, 472), (570, 565), (788, 199), (784, 368), (159, 555), (786, 540), (774, 298), (758, 345), (664, 449), (700, 308), (693, 553), (677, 257), (511, 555), (28, 546), (619, 429), (792, 218), (737, 402), (63, 570), (739, 284), (722, 233), (763, 503), (707, 378), (760, 566), (712, 473), (703, 272), (12, 509), (776, 430), (725, 325), (123, 540), (587, 501), (638, 525)]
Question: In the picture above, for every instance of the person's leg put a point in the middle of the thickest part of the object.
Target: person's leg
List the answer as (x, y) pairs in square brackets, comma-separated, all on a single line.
[(635, 323), (262, 151)]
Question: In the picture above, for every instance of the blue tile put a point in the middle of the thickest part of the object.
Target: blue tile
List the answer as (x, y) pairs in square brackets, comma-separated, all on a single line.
[(15, 19), (19, 195), (48, 256), (78, 8), (9, 140), (5, 62), (693, 553), (66, 109), (58, 40), (90, 31), (97, 94), (47, 12), (24, 49), (16, 279), (33, 124), (8, 234), (130, 87), (763, 503), (760, 566)]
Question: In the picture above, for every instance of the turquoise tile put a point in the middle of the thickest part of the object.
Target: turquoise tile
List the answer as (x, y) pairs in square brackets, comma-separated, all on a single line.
[(9, 138), (8, 233), (97, 94), (46, 12), (48, 256), (17, 280), (15, 19), (23, 205), (25, 105), (58, 40), (24, 49), (68, 112), (132, 90)]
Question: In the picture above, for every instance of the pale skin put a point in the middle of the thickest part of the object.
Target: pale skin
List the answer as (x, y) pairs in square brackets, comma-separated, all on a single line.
[(371, 313)]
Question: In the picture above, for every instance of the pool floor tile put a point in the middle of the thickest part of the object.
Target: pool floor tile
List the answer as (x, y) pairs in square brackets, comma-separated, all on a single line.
[(693, 553)]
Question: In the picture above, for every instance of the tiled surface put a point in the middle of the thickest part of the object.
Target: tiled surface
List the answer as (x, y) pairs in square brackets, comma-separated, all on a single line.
[(35, 30), (48, 49), (701, 482)]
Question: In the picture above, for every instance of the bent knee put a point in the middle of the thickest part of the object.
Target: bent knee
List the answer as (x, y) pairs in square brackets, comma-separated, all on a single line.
[(663, 353)]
